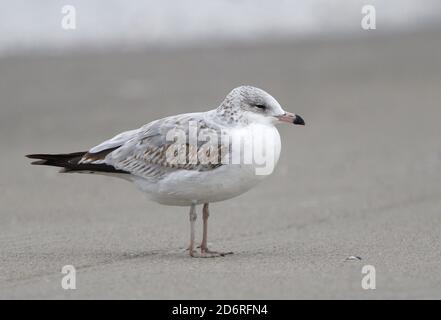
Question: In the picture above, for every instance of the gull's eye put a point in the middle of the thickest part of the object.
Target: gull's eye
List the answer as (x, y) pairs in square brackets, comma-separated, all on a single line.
[(260, 106)]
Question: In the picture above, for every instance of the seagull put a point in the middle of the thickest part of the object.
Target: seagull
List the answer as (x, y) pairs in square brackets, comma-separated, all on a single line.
[(174, 165)]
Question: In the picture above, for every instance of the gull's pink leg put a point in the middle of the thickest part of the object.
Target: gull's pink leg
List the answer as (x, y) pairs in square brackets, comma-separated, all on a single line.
[(193, 217), (204, 247), (205, 215), (205, 253)]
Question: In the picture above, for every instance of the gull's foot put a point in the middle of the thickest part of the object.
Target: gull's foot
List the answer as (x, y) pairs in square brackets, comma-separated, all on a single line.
[(208, 254), (218, 254)]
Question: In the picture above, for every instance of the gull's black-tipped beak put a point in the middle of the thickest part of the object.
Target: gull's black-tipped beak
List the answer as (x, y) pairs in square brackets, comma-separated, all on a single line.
[(299, 120), (291, 118)]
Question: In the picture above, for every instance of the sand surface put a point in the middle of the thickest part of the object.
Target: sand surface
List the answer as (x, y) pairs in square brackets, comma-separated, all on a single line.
[(363, 178)]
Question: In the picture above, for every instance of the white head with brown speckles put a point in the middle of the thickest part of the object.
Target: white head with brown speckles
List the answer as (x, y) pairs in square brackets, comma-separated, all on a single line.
[(246, 104)]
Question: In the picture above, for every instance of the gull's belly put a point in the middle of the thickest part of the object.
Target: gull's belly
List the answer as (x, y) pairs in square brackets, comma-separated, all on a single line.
[(185, 187)]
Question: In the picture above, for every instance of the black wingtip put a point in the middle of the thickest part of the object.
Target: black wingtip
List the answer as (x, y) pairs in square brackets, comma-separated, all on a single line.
[(37, 156), (69, 162), (39, 162), (42, 159)]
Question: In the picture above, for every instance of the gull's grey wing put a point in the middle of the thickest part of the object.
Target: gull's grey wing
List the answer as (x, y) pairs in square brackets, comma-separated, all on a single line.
[(151, 152)]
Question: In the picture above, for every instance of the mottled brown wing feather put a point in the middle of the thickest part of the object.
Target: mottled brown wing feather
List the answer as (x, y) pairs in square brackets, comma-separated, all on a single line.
[(147, 154)]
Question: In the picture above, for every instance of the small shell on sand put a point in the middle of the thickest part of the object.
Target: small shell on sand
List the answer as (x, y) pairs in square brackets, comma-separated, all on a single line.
[(353, 258)]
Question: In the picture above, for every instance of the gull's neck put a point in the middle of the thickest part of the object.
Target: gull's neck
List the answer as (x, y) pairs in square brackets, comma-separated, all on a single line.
[(229, 117), (229, 113)]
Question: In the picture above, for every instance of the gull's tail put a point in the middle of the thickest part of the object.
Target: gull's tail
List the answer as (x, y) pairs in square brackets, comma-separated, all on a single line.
[(70, 162)]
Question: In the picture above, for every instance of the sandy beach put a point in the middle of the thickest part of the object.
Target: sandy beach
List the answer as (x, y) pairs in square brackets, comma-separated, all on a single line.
[(362, 178)]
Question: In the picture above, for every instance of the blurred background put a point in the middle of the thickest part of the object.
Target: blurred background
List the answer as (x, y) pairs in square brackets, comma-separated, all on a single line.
[(29, 26), (363, 178)]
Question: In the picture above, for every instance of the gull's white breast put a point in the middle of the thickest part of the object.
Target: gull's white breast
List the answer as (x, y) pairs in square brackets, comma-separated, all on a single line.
[(184, 187)]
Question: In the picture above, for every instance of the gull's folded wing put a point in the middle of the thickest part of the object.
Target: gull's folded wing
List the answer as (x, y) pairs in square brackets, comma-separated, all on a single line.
[(143, 152)]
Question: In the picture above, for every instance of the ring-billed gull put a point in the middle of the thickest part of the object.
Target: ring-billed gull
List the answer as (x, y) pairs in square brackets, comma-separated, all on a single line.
[(192, 158)]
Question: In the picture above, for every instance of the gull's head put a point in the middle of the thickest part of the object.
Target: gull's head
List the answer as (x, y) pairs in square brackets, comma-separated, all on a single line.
[(253, 105)]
